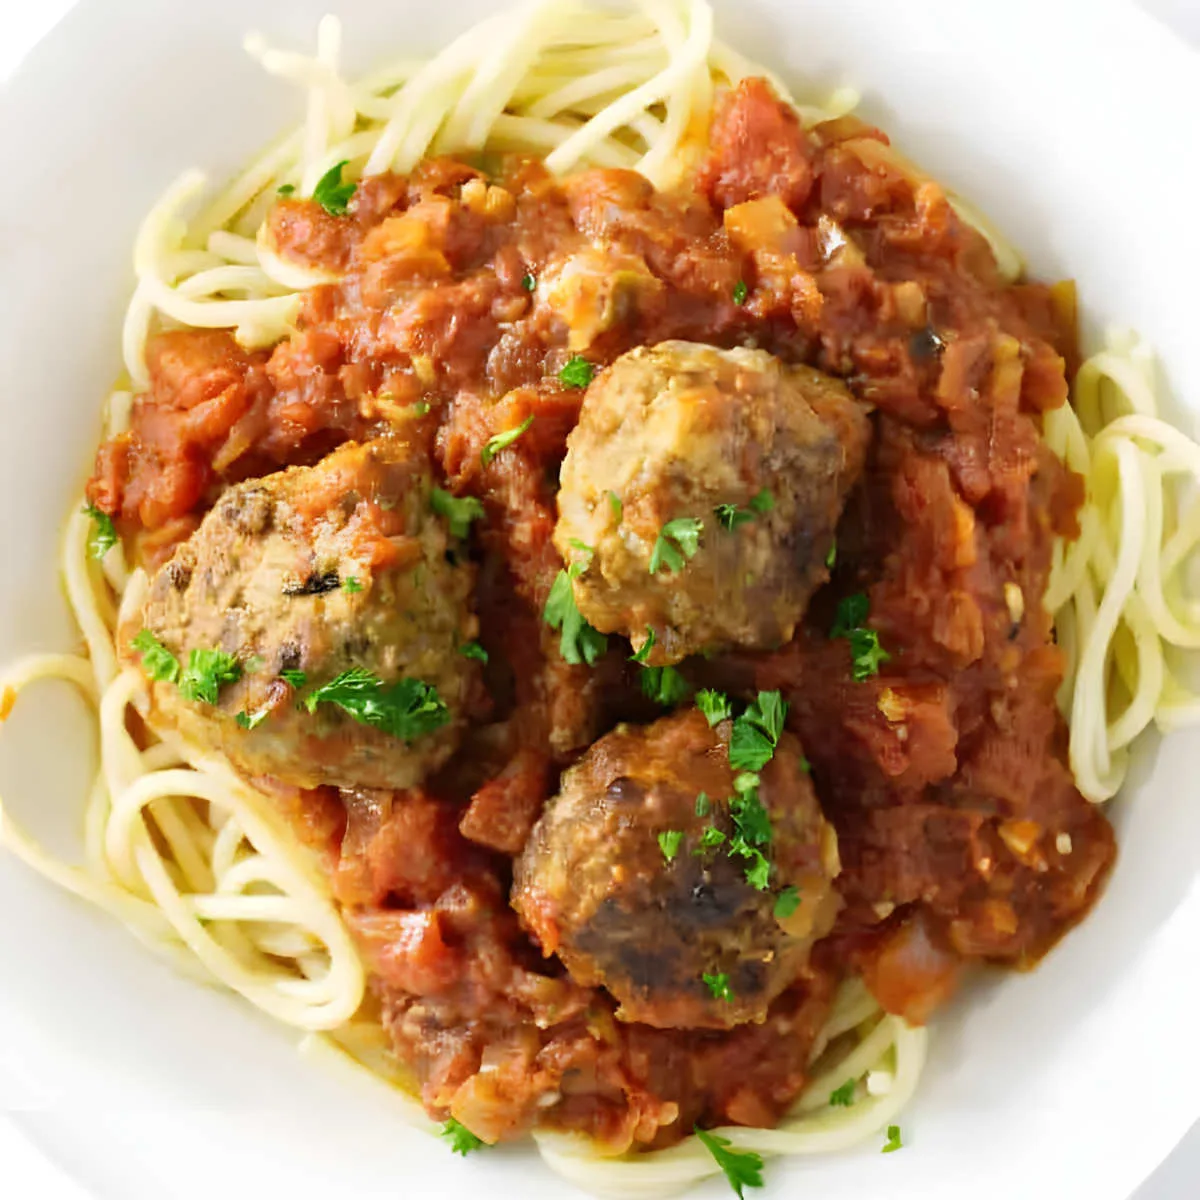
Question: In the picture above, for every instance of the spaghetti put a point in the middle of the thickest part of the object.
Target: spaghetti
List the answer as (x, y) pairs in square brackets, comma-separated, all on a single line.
[(196, 862)]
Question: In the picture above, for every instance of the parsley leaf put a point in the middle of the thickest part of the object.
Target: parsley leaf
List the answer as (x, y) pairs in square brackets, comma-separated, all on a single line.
[(714, 706), (843, 1097), (587, 552), (618, 508), (285, 189), (252, 720), (703, 804), (753, 825), (787, 902), (405, 709), (831, 557), (678, 541), (743, 1168), (740, 292), (762, 502), (332, 193), (578, 373), (296, 678), (458, 511), (206, 671), (866, 654), (461, 1140), (579, 642), (851, 613), (529, 283), (729, 516), (668, 843), (104, 534), (893, 1142), (711, 837), (758, 872), (664, 685), (643, 652), (756, 733), (157, 661), (420, 408), (352, 584), (473, 650), (719, 986), (500, 440)]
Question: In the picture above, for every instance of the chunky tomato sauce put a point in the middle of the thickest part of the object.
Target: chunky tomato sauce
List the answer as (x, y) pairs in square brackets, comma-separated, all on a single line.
[(962, 836)]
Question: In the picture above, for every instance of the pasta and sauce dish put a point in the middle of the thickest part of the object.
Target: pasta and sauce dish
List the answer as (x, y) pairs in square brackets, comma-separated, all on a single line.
[(607, 595)]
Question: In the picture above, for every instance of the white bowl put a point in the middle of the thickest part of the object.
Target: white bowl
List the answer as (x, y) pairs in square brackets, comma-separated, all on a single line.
[(1074, 125)]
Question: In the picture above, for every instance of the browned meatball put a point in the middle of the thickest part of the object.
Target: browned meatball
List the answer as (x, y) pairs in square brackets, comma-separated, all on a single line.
[(754, 457), (300, 577), (631, 882)]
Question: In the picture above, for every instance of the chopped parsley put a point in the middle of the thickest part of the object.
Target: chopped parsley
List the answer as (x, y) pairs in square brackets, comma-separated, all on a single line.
[(579, 643), (285, 189), (714, 706), (296, 678), (831, 557), (756, 733), (333, 193), (743, 1168), (729, 516), (157, 661), (618, 508), (104, 533), (893, 1140), (719, 986), (584, 549), (664, 685), (252, 720), (752, 823), (405, 709), (578, 373), (762, 502), (352, 584), (473, 650), (740, 292), (643, 652), (711, 838), (787, 902), (668, 843), (849, 622), (843, 1097), (206, 671), (703, 804), (678, 542), (459, 511), (460, 1139), (420, 408), (500, 440), (529, 283)]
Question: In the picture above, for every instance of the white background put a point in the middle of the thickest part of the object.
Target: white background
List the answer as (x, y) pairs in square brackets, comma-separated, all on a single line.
[(27, 1175)]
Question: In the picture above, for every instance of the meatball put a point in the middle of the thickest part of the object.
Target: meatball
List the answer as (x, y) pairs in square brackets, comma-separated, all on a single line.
[(637, 886), (700, 493), (300, 577)]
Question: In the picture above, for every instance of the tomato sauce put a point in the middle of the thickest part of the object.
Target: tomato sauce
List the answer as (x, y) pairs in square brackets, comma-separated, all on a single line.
[(459, 299)]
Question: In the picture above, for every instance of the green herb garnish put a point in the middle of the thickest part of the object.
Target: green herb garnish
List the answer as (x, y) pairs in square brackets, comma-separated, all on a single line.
[(678, 542), (252, 720), (295, 678), (103, 536), (529, 283), (460, 1138), (664, 685), (831, 557), (893, 1140), (849, 622), (332, 193), (703, 804), (740, 292), (157, 661), (500, 440), (352, 584), (473, 650), (578, 373), (458, 511), (714, 706), (843, 1097), (756, 733), (618, 508), (743, 1168), (668, 843), (787, 902), (406, 709), (719, 986), (579, 643), (643, 652)]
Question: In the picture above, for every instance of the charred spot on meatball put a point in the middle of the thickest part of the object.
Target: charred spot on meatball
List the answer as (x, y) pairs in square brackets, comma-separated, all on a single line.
[(729, 472), (633, 885), (261, 581)]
